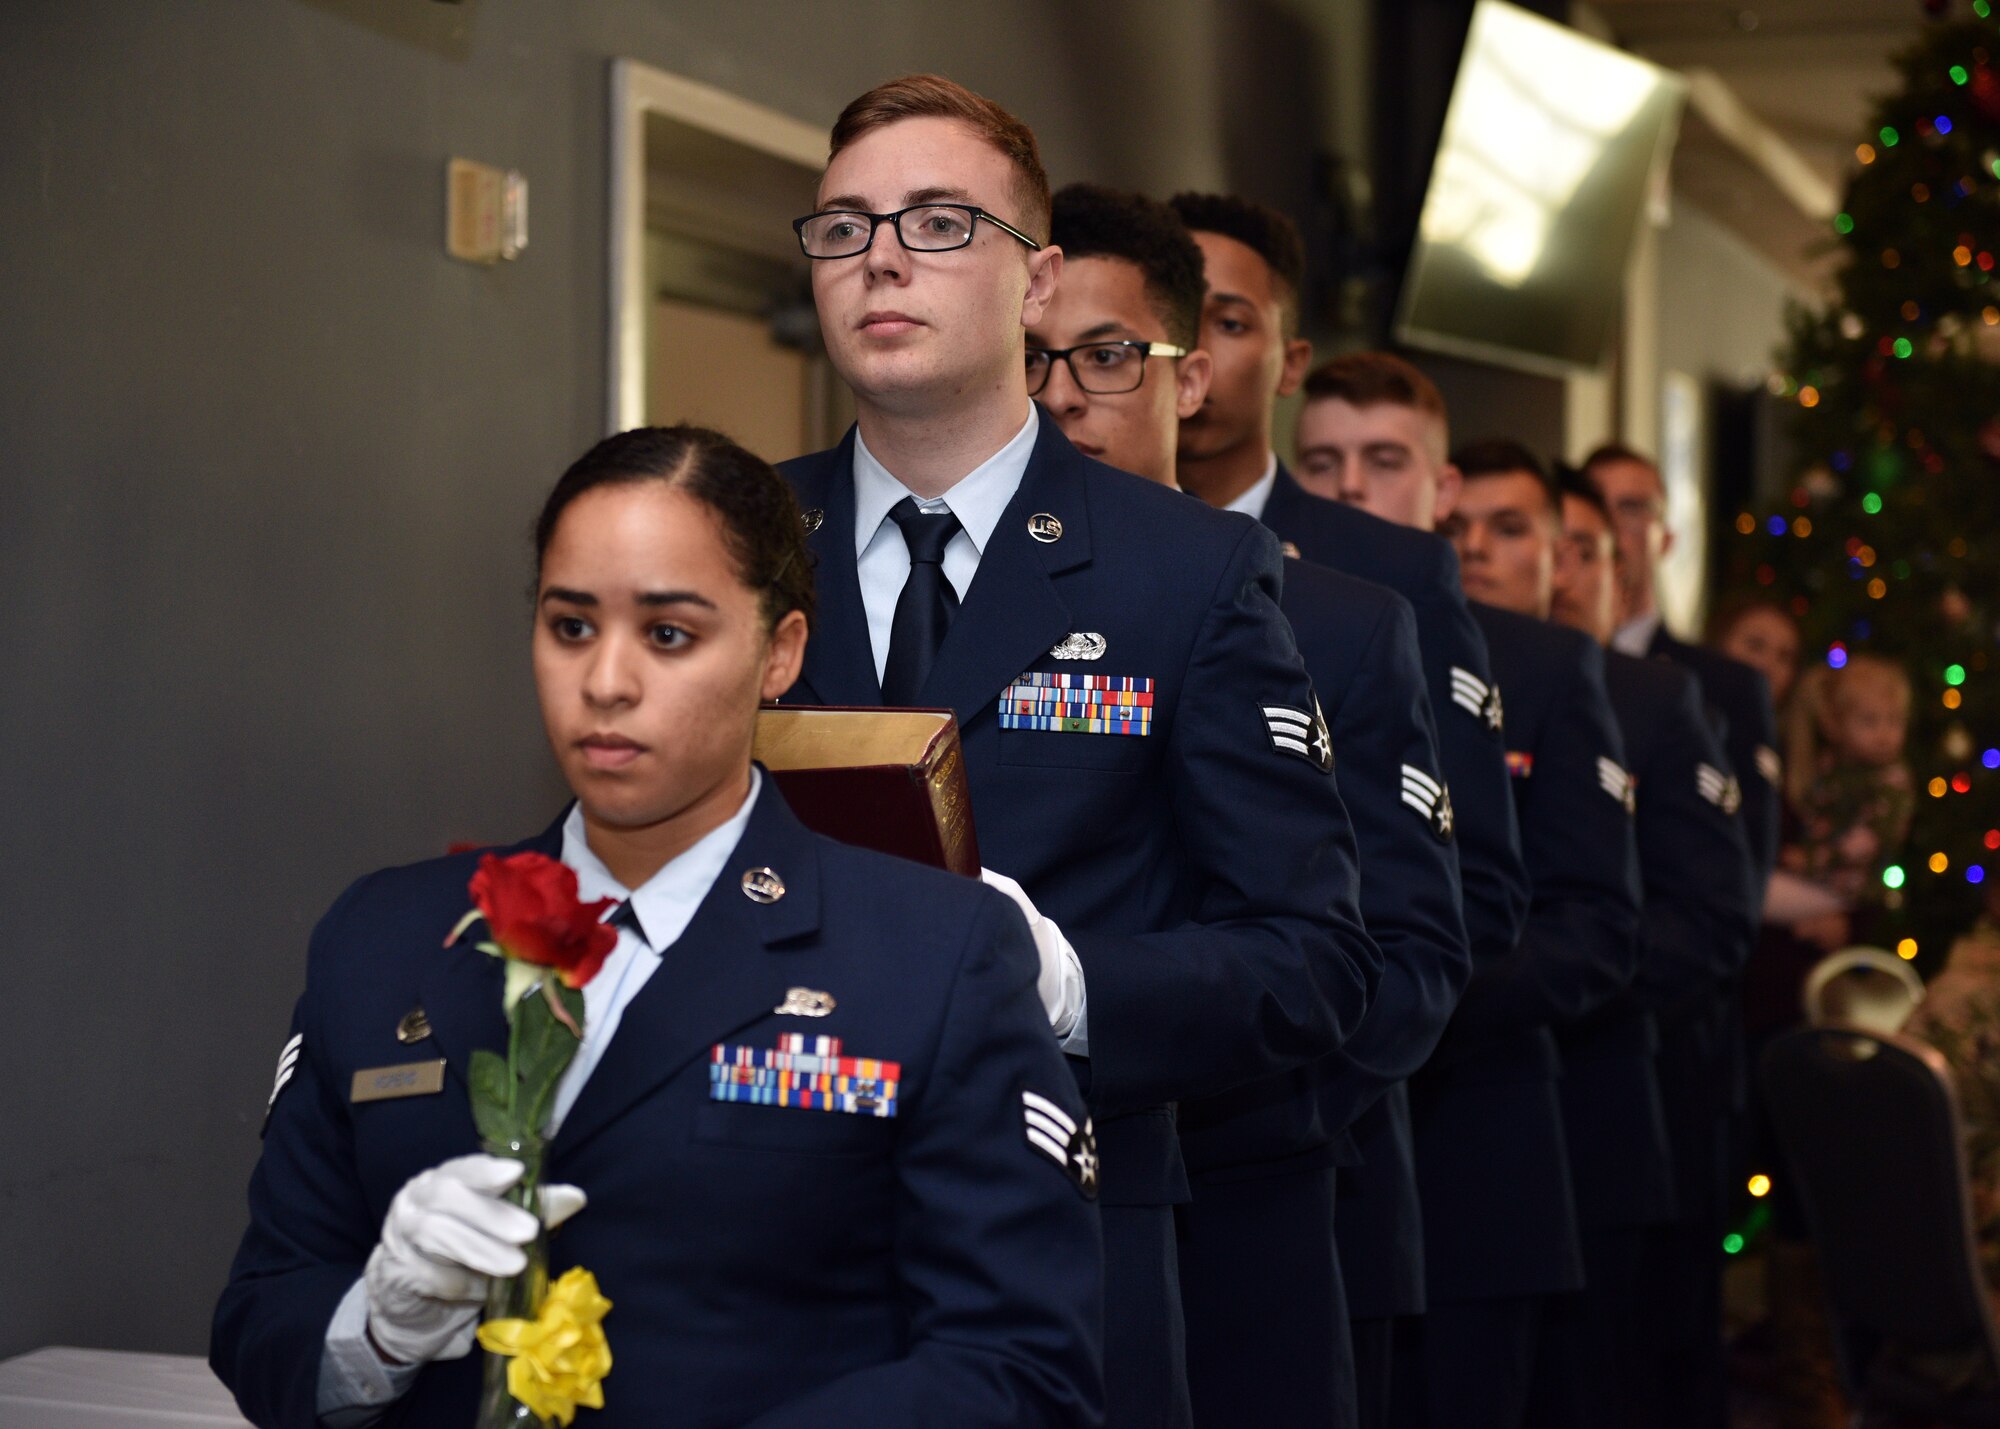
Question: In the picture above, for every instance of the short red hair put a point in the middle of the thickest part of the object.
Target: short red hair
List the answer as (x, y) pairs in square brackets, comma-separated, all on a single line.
[(932, 96)]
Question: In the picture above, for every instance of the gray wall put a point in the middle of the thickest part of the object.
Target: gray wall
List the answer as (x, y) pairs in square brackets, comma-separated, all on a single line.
[(268, 463), (1721, 302)]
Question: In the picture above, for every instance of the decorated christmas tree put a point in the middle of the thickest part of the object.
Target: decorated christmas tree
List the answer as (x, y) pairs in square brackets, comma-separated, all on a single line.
[(1889, 540)]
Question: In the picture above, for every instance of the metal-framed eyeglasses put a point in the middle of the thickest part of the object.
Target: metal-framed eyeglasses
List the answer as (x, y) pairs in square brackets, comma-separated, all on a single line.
[(922, 228), (1101, 368)]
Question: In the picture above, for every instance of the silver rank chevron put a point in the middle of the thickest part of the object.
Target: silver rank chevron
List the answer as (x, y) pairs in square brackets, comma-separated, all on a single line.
[(1613, 780), (1476, 697), (1718, 788), (1054, 1133), (1430, 799), (1300, 732)]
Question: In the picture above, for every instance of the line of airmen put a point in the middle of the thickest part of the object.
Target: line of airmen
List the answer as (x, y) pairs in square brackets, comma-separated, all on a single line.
[(1400, 1009)]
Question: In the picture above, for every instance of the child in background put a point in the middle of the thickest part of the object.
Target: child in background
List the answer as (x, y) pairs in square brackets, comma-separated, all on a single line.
[(1850, 790)]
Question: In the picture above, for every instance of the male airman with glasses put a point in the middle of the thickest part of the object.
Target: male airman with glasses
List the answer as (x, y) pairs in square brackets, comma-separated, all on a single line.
[(1112, 360), (1144, 748)]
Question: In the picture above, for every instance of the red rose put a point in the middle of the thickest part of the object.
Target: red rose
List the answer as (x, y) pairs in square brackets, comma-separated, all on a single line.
[(530, 905)]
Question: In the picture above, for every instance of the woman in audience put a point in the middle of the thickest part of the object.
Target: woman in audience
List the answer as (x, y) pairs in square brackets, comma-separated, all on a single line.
[(919, 1253)]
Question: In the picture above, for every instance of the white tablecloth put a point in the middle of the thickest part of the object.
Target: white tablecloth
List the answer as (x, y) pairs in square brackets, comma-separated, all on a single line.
[(63, 1388)]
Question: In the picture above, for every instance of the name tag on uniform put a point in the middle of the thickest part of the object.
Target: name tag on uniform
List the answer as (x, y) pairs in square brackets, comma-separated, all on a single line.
[(807, 1073), (411, 1079), (1078, 704)]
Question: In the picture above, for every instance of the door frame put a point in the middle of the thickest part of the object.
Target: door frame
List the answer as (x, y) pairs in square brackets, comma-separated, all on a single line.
[(637, 91)]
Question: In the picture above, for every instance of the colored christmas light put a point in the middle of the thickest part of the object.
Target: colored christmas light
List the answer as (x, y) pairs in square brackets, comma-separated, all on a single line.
[(1893, 876), (1975, 873), (1954, 674), (1939, 863), (1760, 1185), (1872, 504), (1906, 949)]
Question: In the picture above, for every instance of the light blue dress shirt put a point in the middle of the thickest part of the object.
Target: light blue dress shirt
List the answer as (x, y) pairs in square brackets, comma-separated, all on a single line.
[(882, 564), (354, 1385), (1252, 500), (882, 557)]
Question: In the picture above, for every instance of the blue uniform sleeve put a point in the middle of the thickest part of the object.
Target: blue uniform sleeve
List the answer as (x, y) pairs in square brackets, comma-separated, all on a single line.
[(1386, 741), (309, 1237), (1752, 750), (1695, 863), (1578, 950), (1274, 968), (998, 1250), (1469, 710)]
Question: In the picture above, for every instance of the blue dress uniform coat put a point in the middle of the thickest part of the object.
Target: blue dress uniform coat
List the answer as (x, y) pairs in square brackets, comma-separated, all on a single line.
[(1695, 871), (1702, 1054), (1379, 1234), (1500, 1225), (1267, 1333), (768, 1265), (1465, 699), (1201, 863), (1739, 704)]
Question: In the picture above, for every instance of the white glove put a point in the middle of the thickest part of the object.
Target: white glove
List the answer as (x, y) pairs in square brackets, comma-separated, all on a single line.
[(446, 1233), (1061, 981)]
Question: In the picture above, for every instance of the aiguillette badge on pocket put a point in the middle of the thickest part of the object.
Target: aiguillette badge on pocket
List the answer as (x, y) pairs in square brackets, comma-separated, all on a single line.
[(806, 1072), (1078, 704)]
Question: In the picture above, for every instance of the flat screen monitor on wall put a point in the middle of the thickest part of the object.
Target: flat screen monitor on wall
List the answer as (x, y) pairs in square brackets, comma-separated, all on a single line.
[(1552, 145)]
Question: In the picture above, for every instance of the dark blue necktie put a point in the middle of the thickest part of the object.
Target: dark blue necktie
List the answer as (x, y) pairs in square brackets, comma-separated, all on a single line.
[(926, 606), (627, 917)]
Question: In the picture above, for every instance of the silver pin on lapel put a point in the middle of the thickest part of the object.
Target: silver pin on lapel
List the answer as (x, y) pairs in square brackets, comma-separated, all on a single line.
[(805, 1002), (810, 518), (1045, 528), (1080, 645), (762, 885), (415, 1026), (1290, 550)]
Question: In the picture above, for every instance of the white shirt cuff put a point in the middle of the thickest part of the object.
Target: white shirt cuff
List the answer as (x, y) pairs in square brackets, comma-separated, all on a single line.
[(354, 1385), (1075, 1038)]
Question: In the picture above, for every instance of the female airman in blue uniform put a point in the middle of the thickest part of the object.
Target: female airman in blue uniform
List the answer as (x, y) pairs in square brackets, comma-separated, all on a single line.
[(931, 1255)]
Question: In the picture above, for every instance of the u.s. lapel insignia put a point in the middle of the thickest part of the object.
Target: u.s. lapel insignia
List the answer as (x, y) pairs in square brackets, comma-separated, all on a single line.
[(1080, 645), (1054, 1133), (1768, 763), (805, 1002), (762, 885), (1044, 528), (1301, 733), (1430, 799), (1287, 548), (414, 1028), (811, 518)]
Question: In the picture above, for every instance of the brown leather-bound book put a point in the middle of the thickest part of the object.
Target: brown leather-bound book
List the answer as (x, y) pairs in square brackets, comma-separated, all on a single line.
[(886, 779)]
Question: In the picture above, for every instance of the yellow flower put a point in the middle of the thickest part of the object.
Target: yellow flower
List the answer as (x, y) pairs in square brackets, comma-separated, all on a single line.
[(560, 1356)]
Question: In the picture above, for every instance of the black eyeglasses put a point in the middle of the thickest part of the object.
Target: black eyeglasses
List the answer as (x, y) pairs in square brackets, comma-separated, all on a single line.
[(926, 228), (1102, 368)]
